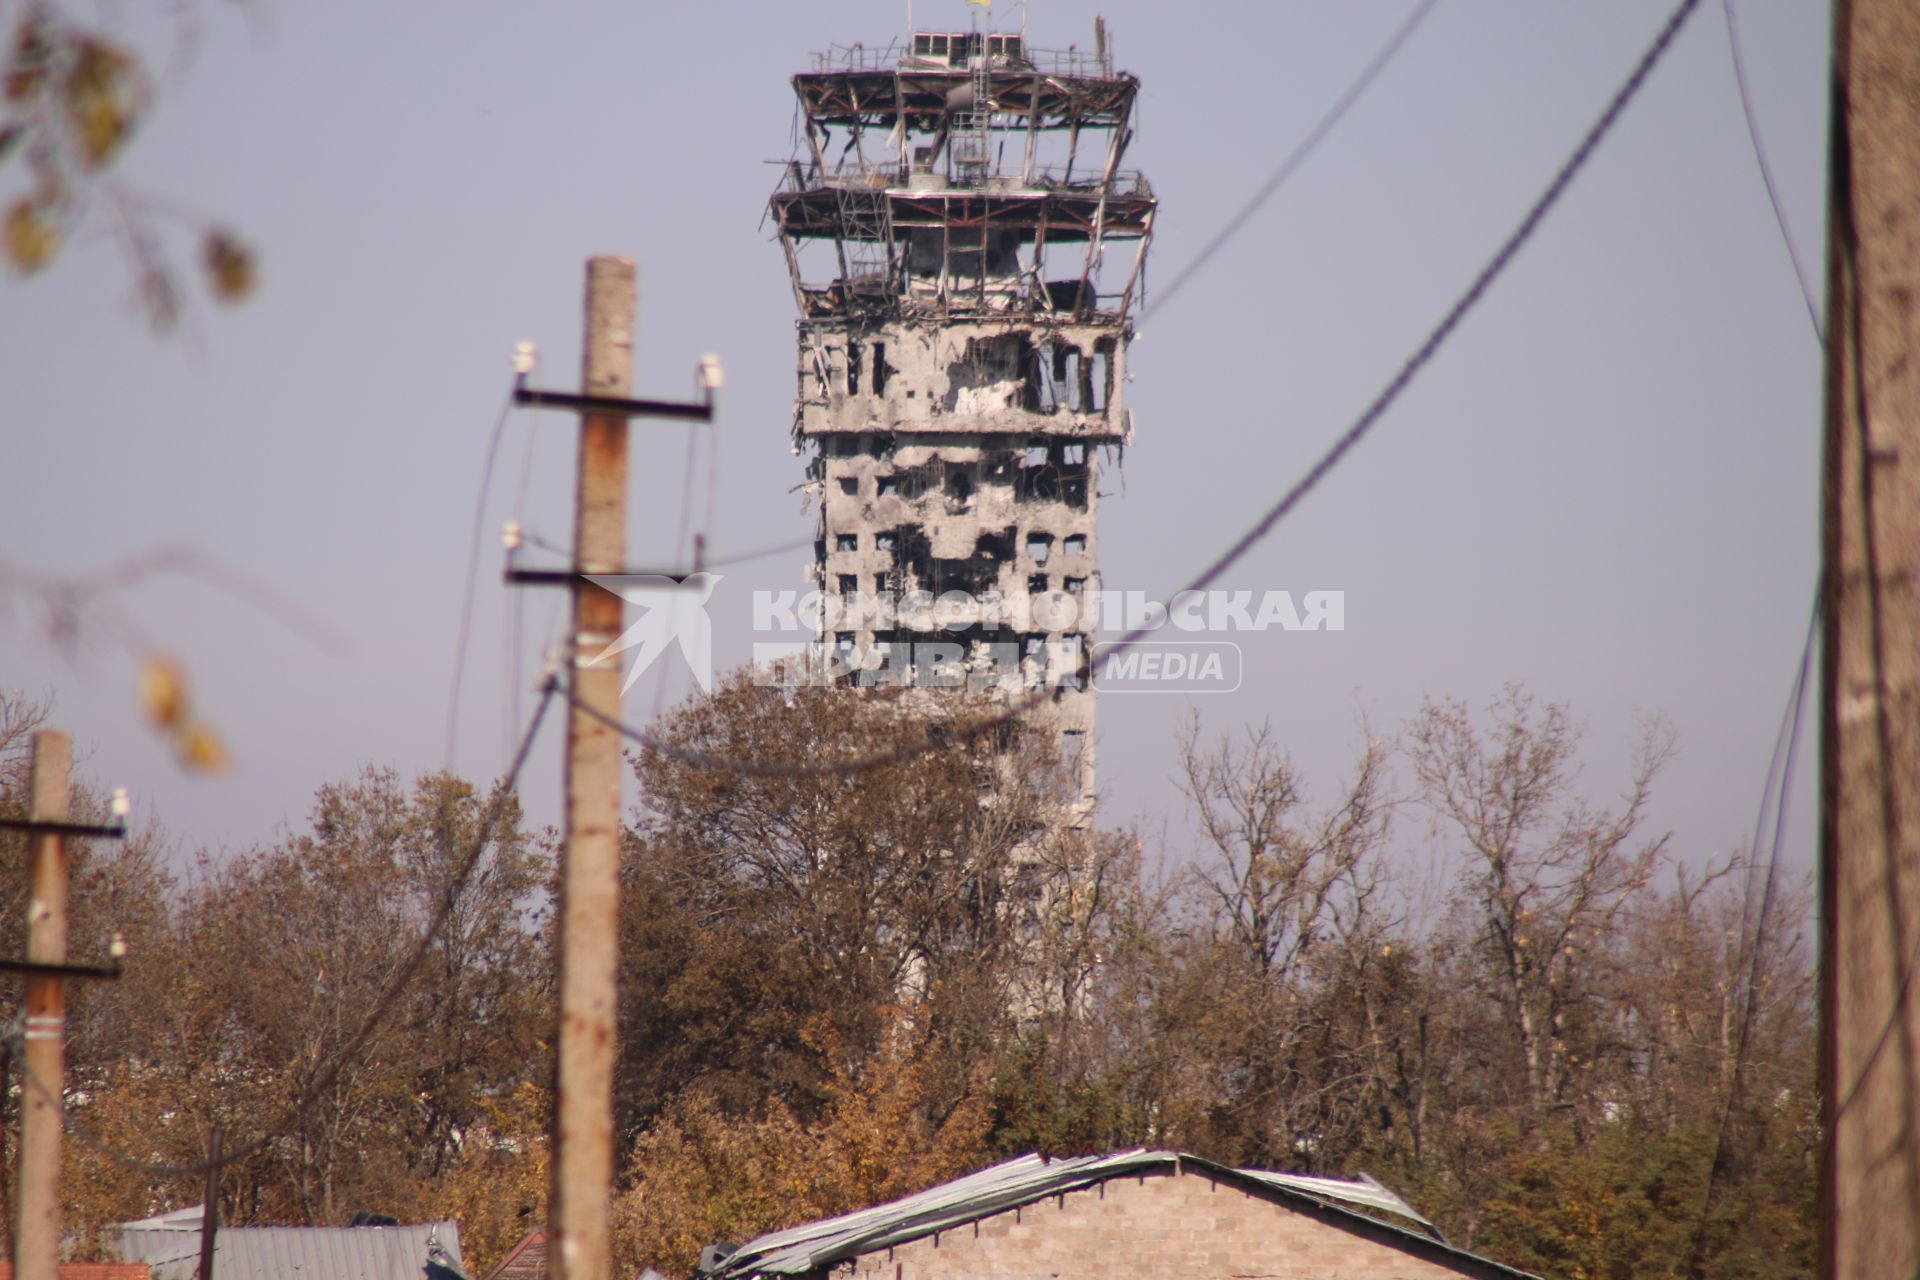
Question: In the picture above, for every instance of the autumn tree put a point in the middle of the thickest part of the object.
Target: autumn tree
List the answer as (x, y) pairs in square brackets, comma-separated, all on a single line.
[(257, 977), (768, 917), (1279, 894), (1546, 877)]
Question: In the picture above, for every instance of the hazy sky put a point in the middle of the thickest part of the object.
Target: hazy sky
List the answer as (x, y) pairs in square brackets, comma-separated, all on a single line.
[(1605, 487)]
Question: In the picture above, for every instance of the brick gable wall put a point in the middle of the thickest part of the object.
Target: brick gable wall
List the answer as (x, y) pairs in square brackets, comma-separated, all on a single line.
[(1164, 1226)]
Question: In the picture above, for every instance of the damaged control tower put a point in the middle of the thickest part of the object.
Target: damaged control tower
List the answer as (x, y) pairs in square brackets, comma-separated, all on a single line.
[(964, 248)]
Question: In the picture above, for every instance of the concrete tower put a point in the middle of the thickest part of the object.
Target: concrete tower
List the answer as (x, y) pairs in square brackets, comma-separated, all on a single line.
[(964, 249)]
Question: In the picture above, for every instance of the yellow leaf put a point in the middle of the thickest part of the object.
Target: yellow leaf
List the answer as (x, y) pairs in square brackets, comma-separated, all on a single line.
[(30, 236), (201, 750), (100, 97), (163, 690), (229, 266)]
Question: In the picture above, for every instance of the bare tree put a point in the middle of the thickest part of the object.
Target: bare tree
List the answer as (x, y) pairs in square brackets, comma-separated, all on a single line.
[(1279, 879), (1547, 879), (1282, 900)]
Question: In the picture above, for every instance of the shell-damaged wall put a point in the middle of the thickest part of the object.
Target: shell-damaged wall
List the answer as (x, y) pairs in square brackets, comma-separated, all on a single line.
[(987, 377), (998, 529)]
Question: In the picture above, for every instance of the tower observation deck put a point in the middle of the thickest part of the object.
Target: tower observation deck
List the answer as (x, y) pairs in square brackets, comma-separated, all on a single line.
[(964, 248)]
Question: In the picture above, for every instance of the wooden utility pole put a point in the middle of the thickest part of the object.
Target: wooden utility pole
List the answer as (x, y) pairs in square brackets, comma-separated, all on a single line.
[(38, 1236), (1870, 675), (210, 1207), (589, 873)]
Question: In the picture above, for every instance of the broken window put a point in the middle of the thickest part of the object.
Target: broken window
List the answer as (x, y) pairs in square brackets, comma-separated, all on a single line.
[(974, 576), (887, 486), (1041, 483), (846, 542), (1073, 492), (1036, 456), (849, 584), (853, 367), (880, 368), (1073, 658), (1076, 587), (843, 641), (850, 485), (1033, 652), (1039, 547), (1069, 376), (995, 546), (1037, 585), (1043, 393), (1098, 383), (1076, 544), (884, 542), (959, 487), (1074, 455)]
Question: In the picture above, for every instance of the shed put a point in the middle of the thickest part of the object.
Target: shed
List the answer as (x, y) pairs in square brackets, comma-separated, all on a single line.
[(170, 1244)]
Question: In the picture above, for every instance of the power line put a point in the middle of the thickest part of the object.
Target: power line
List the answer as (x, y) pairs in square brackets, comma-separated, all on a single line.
[(1342, 445), (1295, 158), (1774, 795), (473, 572), (1766, 171), (383, 1003)]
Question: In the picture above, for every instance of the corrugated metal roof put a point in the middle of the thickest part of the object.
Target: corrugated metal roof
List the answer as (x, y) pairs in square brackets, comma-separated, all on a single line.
[(1002, 1186), (292, 1253), (1366, 1193), (815, 1245)]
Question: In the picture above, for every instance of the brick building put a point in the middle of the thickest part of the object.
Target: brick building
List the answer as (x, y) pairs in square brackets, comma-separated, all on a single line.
[(1141, 1213)]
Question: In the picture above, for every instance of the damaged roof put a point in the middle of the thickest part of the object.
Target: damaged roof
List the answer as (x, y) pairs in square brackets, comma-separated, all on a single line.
[(817, 1245)]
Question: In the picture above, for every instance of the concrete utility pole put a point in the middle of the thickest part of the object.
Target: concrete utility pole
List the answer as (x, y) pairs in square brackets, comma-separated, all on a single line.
[(589, 874), (38, 1236), (1870, 732)]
